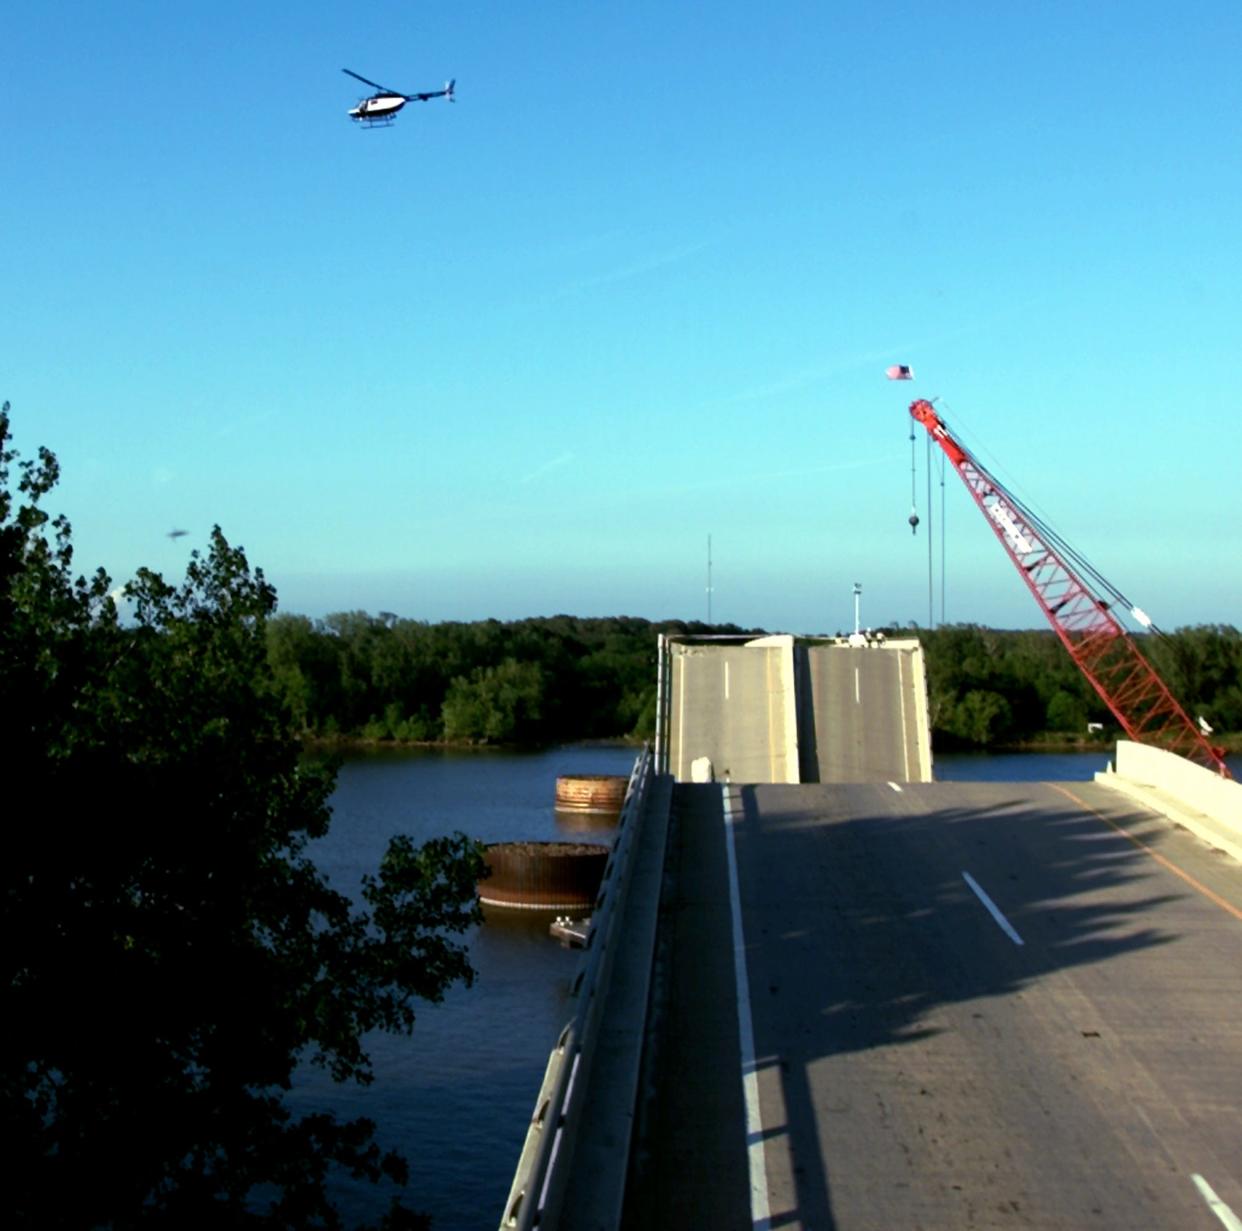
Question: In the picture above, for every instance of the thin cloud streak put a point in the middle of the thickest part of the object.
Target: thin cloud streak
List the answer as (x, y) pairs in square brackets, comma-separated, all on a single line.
[(547, 467), (660, 260), (637, 268), (769, 476), (900, 352), (805, 377)]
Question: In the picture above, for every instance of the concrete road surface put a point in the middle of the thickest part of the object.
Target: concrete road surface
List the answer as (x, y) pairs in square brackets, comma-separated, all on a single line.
[(952, 1006), (859, 720), (734, 705)]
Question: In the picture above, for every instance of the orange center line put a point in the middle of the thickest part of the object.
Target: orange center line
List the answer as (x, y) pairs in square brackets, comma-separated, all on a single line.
[(1198, 886)]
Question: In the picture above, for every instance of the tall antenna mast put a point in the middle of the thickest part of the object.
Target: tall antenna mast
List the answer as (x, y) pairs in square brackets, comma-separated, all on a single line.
[(709, 579)]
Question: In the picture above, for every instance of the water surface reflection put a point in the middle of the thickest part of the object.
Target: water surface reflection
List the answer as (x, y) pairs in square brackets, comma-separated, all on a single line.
[(455, 1097)]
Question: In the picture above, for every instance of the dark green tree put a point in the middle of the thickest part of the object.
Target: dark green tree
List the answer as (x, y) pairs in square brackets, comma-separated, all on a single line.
[(495, 705), (1066, 713), (980, 718), (170, 952)]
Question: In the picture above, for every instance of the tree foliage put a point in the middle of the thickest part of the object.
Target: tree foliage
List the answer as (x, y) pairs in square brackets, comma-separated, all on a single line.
[(526, 681), (171, 952), (567, 678), (500, 704), (990, 687)]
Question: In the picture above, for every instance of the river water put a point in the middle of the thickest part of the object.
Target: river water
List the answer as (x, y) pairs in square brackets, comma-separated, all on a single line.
[(455, 1097)]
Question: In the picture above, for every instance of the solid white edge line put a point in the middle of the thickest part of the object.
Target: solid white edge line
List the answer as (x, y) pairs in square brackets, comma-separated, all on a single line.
[(993, 910), (901, 709), (1216, 1205), (681, 719), (760, 1211)]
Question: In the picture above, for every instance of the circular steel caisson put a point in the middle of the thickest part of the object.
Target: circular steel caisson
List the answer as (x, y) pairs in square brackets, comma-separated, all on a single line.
[(543, 875), (600, 793)]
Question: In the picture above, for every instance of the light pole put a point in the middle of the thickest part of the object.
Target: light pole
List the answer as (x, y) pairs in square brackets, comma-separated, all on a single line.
[(856, 639)]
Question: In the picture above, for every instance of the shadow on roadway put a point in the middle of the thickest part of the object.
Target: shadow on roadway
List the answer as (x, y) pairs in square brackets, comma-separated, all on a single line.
[(860, 930)]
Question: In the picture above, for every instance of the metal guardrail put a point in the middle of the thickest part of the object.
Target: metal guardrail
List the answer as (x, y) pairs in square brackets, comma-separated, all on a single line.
[(664, 686), (542, 1170)]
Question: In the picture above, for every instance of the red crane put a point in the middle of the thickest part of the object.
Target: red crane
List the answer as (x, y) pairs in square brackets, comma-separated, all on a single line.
[(1079, 605)]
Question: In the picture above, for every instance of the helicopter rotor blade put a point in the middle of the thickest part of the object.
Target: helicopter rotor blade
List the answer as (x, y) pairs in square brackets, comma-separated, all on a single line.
[(375, 84)]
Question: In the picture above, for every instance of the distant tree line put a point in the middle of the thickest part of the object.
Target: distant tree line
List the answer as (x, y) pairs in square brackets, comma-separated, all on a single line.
[(989, 688), (380, 678), (358, 676)]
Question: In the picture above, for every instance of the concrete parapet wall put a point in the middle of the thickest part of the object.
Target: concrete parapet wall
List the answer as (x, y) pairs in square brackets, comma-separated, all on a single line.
[(921, 709), (789, 701), (1189, 795), (1191, 784)]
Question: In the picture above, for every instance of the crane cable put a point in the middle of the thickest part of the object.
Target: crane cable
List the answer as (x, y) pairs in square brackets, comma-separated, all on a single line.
[(1056, 541), (943, 464), (914, 511), (931, 537), (914, 521)]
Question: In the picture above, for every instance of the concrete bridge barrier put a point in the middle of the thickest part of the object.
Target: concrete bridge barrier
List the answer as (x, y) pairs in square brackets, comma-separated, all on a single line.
[(1202, 801), (574, 1162)]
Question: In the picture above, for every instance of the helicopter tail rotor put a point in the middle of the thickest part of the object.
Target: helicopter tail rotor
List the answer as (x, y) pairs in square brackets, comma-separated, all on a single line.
[(449, 90)]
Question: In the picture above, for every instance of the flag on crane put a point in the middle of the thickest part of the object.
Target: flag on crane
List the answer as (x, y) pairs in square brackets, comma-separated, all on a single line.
[(899, 371)]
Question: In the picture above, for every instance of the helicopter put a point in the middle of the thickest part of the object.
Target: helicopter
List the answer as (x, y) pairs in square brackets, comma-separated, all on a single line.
[(382, 107)]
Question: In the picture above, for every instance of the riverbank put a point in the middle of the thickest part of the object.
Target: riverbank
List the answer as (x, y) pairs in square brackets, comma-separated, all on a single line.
[(351, 744), (347, 745), (1230, 744)]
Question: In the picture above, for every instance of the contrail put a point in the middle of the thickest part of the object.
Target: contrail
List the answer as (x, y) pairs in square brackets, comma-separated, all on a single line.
[(549, 465), (637, 268), (735, 480)]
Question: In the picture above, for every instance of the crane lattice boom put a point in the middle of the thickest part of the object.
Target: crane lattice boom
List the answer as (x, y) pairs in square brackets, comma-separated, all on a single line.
[(1083, 619)]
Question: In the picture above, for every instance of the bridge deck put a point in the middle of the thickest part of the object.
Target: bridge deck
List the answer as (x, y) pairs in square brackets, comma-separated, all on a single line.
[(860, 714), (787, 709), (915, 1066)]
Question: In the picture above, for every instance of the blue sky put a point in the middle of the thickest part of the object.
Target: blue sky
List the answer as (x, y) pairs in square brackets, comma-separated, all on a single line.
[(523, 354)]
